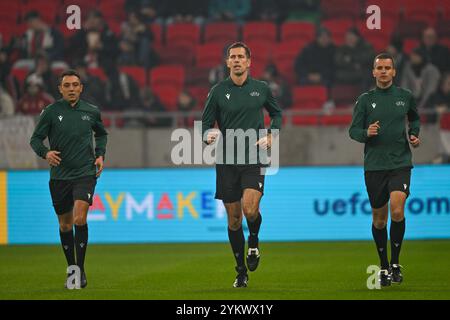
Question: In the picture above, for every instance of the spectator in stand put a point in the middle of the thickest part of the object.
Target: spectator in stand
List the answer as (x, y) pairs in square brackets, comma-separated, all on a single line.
[(93, 87), (279, 87), (315, 63), (439, 102), (353, 59), (151, 103), (96, 44), (35, 98), (231, 10), (136, 42), (40, 37), (122, 92), (186, 103), (7, 82), (421, 77), (181, 11), (266, 10), (395, 49), (6, 103), (434, 52), (43, 70), (152, 11)]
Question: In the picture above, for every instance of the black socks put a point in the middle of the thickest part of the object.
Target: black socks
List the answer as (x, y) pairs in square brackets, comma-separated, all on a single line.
[(67, 243), (396, 233), (237, 242), (253, 228), (81, 241), (380, 237)]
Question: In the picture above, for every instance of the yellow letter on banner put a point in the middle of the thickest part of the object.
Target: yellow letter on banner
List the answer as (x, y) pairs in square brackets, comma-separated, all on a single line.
[(186, 203), (3, 208), (115, 206)]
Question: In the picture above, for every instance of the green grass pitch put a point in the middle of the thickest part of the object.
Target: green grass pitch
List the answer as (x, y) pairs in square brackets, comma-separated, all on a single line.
[(300, 270)]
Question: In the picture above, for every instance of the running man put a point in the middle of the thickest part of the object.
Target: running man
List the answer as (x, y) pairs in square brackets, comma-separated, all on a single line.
[(75, 165), (379, 122), (238, 103)]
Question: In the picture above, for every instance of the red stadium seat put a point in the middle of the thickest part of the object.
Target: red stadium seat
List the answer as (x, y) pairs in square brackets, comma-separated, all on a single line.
[(345, 95), (168, 95), (410, 44), (390, 9), (85, 5), (200, 94), (20, 74), (259, 31), (137, 73), (197, 76), (338, 28), (445, 121), (157, 32), (309, 97), (261, 56), (182, 54), (9, 12), (419, 10), (224, 33), (303, 32), (183, 33), (99, 73), (306, 120), (209, 55), (350, 9), (113, 9), (167, 75), (284, 55), (336, 119)]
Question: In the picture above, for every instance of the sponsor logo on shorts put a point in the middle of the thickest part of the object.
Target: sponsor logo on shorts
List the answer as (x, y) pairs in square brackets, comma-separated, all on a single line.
[(60, 118), (374, 105)]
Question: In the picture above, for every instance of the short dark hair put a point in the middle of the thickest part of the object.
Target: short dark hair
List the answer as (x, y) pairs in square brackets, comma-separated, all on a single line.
[(69, 72), (384, 56), (32, 15), (239, 45)]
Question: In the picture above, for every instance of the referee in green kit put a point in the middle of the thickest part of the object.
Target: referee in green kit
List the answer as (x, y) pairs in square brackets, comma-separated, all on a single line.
[(237, 103), (379, 122), (69, 124)]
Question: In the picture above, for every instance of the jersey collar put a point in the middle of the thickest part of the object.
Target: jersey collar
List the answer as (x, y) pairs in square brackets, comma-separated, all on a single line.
[(387, 90), (232, 84), (67, 104)]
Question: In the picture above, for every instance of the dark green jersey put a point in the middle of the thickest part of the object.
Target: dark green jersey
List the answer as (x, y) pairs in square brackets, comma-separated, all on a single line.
[(69, 131), (240, 107), (390, 148)]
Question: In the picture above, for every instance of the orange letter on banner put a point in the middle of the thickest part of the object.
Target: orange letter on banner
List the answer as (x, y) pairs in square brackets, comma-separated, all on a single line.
[(186, 203), (115, 206)]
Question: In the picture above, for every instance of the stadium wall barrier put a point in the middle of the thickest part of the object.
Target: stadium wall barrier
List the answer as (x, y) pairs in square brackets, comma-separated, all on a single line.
[(178, 205)]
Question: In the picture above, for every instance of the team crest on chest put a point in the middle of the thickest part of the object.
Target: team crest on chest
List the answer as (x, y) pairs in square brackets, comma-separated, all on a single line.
[(374, 105), (228, 96)]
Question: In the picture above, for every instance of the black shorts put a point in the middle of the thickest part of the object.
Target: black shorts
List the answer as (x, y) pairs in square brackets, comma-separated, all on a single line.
[(231, 180), (380, 184), (65, 192)]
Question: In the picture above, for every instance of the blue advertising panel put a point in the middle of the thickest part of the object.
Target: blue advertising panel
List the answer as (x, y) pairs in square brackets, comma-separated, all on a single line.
[(178, 205)]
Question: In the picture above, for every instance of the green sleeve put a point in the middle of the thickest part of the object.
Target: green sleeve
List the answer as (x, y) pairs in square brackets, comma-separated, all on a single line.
[(100, 136), (274, 110), (40, 133), (413, 118), (357, 130), (209, 115)]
